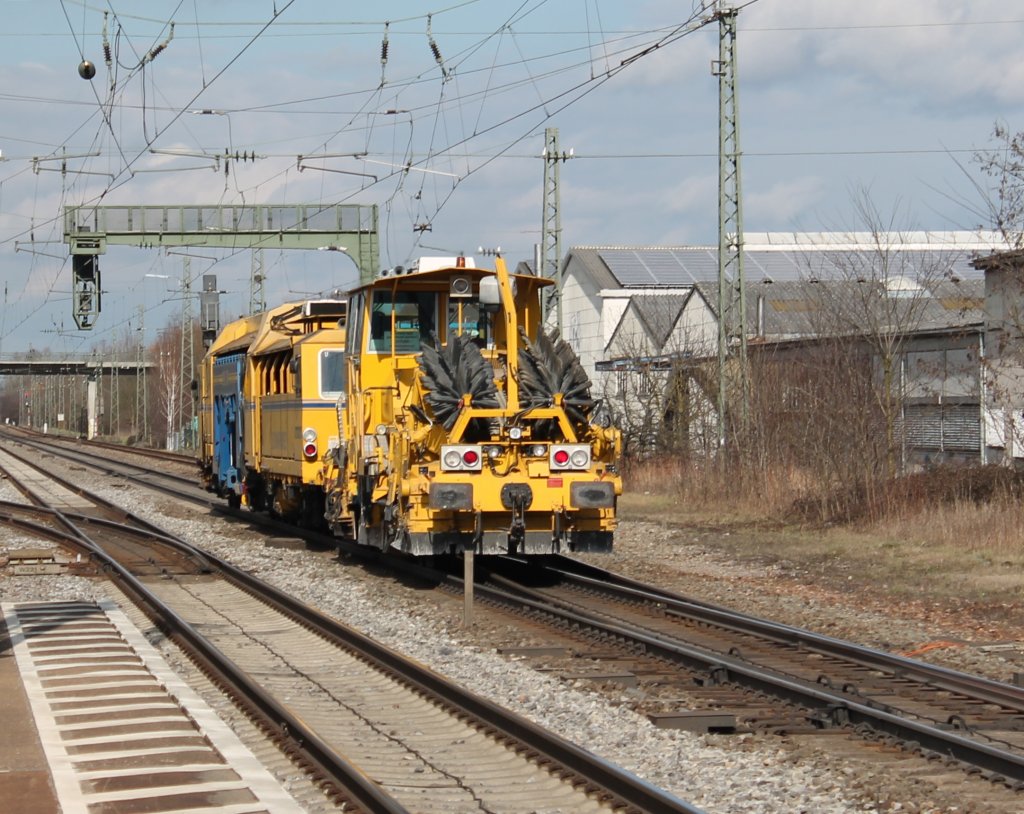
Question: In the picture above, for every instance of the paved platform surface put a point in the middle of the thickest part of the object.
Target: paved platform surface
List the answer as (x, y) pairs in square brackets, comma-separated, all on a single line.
[(25, 784)]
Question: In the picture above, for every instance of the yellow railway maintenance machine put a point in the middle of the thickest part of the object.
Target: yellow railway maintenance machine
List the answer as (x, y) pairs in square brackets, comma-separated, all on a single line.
[(463, 427), (268, 408)]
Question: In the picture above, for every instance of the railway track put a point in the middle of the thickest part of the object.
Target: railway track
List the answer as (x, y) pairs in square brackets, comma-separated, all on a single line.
[(709, 669), (427, 744), (738, 667), (120, 450)]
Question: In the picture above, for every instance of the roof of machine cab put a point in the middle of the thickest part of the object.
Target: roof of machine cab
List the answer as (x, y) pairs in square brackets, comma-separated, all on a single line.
[(431, 270), (288, 324), (237, 335)]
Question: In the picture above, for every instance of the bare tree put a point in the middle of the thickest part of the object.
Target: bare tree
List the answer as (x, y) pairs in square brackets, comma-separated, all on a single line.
[(1003, 200), (829, 381), (165, 351), (878, 298)]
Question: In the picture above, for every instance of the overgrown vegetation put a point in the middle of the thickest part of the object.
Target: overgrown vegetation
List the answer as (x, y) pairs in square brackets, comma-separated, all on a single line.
[(966, 508), (834, 394)]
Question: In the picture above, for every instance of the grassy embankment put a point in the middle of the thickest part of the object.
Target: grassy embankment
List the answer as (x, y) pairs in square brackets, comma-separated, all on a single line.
[(952, 536)]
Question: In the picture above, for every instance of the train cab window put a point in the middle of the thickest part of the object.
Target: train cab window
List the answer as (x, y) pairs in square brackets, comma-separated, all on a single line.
[(467, 317), (294, 377), (332, 373), (413, 314)]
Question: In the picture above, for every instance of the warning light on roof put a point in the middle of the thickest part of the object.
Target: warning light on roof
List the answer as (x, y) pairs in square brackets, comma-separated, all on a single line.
[(460, 262)]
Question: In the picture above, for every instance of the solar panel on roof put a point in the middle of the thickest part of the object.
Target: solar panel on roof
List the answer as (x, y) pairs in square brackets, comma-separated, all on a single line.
[(686, 267), (667, 269), (754, 267), (779, 267), (702, 265), (627, 267)]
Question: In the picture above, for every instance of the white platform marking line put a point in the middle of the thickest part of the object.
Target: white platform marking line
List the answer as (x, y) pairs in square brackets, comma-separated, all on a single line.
[(152, 695), (86, 726), (51, 672), (148, 751), (150, 793), (122, 738), (234, 808), (99, 774), (145, 683), (96, 645), (156, 704)]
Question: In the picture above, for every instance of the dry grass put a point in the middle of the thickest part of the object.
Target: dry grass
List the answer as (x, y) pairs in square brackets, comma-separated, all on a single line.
[(994, 529), (955, 535), (707, 489)]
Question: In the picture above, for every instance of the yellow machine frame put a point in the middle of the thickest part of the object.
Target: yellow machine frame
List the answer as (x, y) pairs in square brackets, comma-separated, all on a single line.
[(391, 486)]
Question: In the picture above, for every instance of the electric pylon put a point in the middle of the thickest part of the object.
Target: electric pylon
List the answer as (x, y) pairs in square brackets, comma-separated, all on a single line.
[(188, 340), (732, 318), (257, 299), (551, 225)]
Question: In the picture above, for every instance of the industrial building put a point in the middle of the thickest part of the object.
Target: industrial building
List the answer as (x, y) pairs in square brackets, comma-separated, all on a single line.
[(644, 322)]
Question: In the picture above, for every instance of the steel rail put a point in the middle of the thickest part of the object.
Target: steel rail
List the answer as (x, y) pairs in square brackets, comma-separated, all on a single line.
[(291, 729), (986, 689), (834, 709), (601, 775)]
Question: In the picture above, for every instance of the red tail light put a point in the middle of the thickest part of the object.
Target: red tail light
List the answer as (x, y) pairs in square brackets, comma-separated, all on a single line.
[(309, 450), (461, 458), (574, 457)]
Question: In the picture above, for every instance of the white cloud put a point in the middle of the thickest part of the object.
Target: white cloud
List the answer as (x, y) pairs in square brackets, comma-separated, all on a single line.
[(935, 52), (784, 204)]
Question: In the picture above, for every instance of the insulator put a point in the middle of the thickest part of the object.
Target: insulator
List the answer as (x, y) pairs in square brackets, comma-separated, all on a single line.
[(384, 46), (158, 49), (106, 44), (435, 50)]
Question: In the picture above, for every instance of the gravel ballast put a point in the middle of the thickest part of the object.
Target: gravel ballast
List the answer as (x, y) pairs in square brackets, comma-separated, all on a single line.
[(721, 774)]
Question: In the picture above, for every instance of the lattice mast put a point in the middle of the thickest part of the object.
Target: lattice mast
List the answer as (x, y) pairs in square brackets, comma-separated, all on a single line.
[(141, 419), (732, 317), (257, 298), (551, 225), (188, 349)]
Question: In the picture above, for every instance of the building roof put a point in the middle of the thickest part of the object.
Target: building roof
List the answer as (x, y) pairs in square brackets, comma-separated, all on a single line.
[(799, 309), (659, 313), (775, 257)]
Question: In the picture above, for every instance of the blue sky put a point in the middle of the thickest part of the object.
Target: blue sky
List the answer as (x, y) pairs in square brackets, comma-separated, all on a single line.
[(837, 99)]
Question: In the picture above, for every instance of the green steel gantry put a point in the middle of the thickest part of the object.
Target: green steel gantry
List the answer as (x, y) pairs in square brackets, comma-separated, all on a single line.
[(88, 230)]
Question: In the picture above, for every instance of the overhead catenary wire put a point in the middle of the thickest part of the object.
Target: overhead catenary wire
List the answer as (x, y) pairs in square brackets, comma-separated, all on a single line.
[(448, 150), (452, 139)]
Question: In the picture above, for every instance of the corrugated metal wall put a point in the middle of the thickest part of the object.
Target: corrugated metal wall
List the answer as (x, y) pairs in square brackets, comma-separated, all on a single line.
[(944, 427)]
